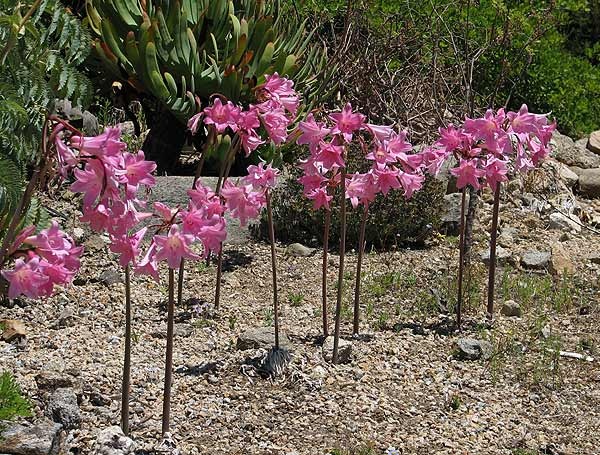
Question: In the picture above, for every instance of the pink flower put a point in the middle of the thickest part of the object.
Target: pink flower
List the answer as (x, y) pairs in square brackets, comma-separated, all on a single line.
[(381, 132), (127, 246), (276, 124), (330, 156), (387, 178), (411, 182), (242, 201), (312, 132), (361, 189), (90, 181), (148, 265), (320, 198), (261, 177), (495, 172), (20, 238), (452, 138), (486, 128), (250, 141), (311, 182), (222, 116), (281, 91), (212, 234), (98, 218), (165, 212), (194, 121), (137, 172), (347, 122), (107, 147), (174, 247), (467, 173), (26, 278), (51, 241), (525, 122)]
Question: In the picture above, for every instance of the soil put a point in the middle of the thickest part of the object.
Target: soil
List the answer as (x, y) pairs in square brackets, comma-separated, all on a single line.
[(403, 386)]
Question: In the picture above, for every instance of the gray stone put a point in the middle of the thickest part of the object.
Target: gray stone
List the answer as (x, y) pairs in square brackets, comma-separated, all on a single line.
[(261, 337), (593, 143), (112, 441), (511, 308), (90, 124), (502, 256), (299, 250), (344, 350), (110, 277), (561, 262), (49, 380), (127, 128), (536, 260), (563, 222), (507, 236), (568, 152), (451, 215), (63, 408), (589, 183), (472, 349), (41, 438)]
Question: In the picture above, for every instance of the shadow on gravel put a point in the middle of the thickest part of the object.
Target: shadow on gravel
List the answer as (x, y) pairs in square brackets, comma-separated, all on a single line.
[(233, 259)]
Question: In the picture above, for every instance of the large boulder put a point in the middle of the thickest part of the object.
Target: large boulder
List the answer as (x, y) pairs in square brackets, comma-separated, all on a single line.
[(41, 438), (261, 337), (589, 182), (565, 150), (63, 408), (593, 143), (112, 441), (472, 349), (451, 214)]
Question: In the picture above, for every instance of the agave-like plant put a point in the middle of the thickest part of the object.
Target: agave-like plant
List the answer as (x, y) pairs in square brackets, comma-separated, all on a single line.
[(182, 52)]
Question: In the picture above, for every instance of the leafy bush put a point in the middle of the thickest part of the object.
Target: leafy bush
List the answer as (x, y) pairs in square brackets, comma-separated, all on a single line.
[(392, 220), (43, 43), (12, 402)]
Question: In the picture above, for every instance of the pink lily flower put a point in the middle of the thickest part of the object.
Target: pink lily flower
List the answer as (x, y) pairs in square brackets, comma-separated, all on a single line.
[(25, 278), (174, 247), (222, 116), (467, 173), (347, 122)]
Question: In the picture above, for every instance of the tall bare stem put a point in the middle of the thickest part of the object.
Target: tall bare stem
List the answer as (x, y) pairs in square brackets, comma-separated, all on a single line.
[(492, 266), (461, 260), (340, 289), (273, 267), (169, 355), (361, 249), (324, 284), (127, 357)]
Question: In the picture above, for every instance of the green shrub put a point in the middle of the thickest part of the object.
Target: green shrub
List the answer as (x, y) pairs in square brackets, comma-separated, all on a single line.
[(392, 220), (12, 402)]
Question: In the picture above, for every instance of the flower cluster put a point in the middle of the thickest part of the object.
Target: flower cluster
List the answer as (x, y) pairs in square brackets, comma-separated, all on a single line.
[(392, 167), (278, 103), (246, 199), (491, 147), (44, 260), (110, 179)]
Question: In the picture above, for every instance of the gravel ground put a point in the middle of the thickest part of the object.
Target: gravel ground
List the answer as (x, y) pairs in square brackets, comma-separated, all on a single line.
[(402, 388)]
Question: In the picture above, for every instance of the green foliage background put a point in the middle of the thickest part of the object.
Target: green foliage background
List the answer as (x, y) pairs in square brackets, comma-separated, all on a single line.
[(545, 53)]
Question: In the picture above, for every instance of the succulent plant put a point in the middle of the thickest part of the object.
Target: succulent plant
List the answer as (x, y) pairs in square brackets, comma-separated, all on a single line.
[(183, 51)]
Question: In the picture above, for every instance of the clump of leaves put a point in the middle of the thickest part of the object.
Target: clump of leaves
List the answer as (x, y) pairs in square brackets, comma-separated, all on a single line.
[(12, 402)]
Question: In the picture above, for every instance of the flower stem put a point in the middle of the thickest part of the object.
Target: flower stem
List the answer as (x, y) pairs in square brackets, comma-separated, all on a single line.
[(461, 260), (340, 289), (169, 355), (361, 249), (492, 266), (324, 285), (273, 267), (127, 357)]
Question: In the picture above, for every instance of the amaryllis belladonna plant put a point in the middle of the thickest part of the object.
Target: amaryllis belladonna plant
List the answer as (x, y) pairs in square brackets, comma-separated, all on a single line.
[(392, 167), (246, 128), (489, 150)]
